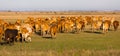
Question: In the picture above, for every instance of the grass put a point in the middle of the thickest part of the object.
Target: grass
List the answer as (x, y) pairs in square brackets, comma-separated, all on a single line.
[(68, 44)]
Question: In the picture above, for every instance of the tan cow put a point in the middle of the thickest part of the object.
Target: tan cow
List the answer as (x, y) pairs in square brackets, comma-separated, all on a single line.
[(96, 25), (44, 27), (37, 26), (106, 25), (18, 24), (69, 23), (88, 20), (1, 33), (79, 26), (110, 18), (67, 27), (11, 26)]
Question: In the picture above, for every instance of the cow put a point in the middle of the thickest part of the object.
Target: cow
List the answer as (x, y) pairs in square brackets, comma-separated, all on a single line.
[(61, 25), (26, 31), (53, 30), (10, 35), (88, 20), (1, 22), (115, 24), (68, 25), (111, 19), (106, 25), (30, 21), (18, 21), (5, 25), (10, 26), (79, 26), (25, 35), (1, 33), (96, 25), (44, 27), (37, 26)]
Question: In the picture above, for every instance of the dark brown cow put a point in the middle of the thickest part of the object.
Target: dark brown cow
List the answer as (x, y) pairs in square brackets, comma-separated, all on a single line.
[(10, 35)]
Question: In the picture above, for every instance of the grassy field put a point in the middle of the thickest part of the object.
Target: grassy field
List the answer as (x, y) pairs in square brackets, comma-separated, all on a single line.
[(67, 44)]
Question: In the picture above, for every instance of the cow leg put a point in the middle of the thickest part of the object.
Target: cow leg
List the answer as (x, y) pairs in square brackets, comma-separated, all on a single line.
[(28, 39), (11, 42), (53, 35), (41, 33), (78, 30), (0, 38), (23, 37)]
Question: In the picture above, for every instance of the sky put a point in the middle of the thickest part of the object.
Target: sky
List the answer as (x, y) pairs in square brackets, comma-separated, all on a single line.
[(59, 5)]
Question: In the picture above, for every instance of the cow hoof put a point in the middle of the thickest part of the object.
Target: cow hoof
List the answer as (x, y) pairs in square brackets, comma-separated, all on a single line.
[(53, 37), (1, 43)]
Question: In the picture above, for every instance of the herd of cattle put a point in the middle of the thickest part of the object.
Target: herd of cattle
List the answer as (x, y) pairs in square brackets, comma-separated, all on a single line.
[(22, 30)]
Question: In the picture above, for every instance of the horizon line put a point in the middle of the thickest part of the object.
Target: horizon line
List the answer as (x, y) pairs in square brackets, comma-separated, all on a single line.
[(52, 10)]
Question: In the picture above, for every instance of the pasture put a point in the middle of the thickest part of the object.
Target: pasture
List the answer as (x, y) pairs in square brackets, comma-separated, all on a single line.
[(85, 43)]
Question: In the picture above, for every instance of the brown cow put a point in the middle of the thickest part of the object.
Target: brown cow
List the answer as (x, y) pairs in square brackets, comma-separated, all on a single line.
[(115, 24), (61, 25), (53, 30)]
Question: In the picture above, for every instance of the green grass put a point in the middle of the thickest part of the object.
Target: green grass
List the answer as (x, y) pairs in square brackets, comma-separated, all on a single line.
[(66, 43)]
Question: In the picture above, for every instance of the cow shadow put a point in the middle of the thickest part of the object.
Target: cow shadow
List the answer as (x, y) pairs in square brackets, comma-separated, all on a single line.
[(2, 43), (38, 33), (5, 43), (47, 37), (93, 32), (98, 32)]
